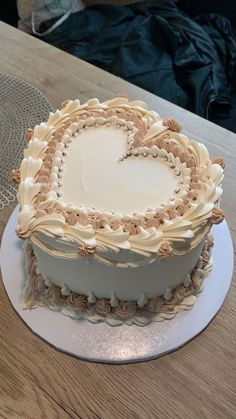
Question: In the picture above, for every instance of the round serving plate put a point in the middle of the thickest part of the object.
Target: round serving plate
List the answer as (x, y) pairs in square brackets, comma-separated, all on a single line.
[(22, 106), (101, 342)]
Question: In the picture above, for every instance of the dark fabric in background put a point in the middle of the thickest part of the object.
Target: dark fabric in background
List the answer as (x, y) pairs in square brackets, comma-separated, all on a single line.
[(184, 52), (8, 12), (190, 62)]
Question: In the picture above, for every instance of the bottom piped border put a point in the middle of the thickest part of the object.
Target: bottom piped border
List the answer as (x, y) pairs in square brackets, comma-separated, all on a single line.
[(37, 293)]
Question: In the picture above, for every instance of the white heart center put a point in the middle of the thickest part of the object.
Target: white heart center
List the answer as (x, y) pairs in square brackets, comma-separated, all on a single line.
[(93, 174)]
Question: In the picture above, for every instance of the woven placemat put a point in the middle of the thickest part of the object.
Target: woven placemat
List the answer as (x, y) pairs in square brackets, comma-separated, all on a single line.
[(21, 107)]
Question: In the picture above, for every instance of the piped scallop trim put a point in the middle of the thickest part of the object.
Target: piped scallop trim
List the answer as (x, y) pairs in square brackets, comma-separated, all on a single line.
[(182, 223)]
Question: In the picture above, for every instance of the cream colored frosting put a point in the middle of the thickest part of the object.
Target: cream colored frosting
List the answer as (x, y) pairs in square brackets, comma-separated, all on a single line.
[(49, 168)]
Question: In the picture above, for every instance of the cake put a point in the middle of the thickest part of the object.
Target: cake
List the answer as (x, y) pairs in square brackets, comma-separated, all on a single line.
[(116, 208)]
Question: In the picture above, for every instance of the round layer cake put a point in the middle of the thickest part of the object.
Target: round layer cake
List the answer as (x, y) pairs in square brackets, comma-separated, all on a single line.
[(116, 206)]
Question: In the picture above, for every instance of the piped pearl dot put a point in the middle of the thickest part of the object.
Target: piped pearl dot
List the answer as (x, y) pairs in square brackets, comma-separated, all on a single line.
[(187, 281), (145, 154), (168, 294), (177, 190)]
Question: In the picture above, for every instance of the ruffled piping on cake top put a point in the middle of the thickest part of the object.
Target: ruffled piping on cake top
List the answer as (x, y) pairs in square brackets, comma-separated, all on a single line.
[(42, 215)]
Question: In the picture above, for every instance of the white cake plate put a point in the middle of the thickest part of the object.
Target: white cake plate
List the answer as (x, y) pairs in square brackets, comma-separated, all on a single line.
[(120, 344)]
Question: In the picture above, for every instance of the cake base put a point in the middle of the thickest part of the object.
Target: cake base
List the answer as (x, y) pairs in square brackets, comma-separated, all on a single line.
[(102, 343)]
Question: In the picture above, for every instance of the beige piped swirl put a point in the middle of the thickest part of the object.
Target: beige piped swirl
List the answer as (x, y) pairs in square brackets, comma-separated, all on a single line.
[(53, 295), (165, 250), (217, 216), (77, 301), (102, 306), (125, 309), (172, 124), (220, 161)]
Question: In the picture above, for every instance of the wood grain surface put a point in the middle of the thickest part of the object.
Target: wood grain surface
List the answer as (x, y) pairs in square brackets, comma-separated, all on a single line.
[(197, 381)]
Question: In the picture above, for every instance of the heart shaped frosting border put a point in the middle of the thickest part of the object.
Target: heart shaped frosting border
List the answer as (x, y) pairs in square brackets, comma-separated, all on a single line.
[(173, 229)]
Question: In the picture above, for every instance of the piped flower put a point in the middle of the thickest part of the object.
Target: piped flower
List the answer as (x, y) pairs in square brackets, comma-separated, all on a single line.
[(29, 134), (22, 232), (53, 294), (125, 309), (85, 250), (77, 301), (15, 176), (180, 293), (172, 124), (165, 250), (63, 104), (220, 161), (102, 306), (72, 219), (217, 216), (210, 241)]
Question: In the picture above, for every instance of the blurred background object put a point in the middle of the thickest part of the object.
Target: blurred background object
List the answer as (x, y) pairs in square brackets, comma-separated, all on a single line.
[(8, 12), (182, 51), (32, 13)]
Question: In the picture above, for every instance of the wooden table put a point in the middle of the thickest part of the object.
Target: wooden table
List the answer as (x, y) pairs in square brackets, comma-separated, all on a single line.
[(199, 380)]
